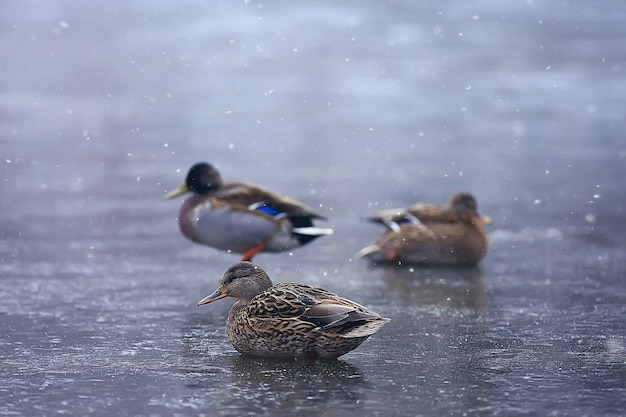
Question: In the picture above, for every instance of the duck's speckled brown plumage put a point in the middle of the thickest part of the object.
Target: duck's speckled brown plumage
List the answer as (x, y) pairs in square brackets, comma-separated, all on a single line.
[(290, 319), (241, 217), (423, 234)]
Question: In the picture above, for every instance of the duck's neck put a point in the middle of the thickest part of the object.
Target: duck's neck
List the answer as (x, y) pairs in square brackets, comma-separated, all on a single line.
[(187, 216), (234, 312)]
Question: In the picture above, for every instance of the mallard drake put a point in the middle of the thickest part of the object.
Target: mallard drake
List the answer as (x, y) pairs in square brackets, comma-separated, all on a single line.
[(290, 319), (426, 234), (241, 217)]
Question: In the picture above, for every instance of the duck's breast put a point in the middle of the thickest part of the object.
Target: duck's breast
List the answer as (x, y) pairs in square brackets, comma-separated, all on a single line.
[(224, 227)]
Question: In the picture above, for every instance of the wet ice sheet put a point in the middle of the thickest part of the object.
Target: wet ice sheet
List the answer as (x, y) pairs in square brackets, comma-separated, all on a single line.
[(350, 109)]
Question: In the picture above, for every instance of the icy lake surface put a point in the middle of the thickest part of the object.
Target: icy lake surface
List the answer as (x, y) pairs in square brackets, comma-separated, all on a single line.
[(350, 107)]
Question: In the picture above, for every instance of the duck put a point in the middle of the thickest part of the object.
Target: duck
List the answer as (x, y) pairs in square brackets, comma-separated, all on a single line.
[(453, 234), (241, 217), (289, 319)]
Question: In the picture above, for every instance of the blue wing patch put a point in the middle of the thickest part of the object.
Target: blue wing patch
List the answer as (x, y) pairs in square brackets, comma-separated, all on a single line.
[(264, 208), (403, 221)]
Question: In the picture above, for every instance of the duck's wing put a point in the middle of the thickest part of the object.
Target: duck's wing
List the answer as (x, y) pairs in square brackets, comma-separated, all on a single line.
[(344, 318), (260, 199), (333, 313), (393, 219), (321, 308), (428, 214)]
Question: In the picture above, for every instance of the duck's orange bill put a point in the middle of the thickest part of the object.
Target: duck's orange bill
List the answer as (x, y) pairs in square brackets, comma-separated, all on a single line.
[(485, 219), (217, 295)]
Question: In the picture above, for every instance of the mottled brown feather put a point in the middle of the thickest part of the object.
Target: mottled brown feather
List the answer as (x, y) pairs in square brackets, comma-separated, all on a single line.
[(291, 319), (426, 234), (246, 194)]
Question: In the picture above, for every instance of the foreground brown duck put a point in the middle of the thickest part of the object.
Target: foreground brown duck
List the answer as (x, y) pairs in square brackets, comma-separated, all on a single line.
[(242, 217), (422, 234), (290, 319)]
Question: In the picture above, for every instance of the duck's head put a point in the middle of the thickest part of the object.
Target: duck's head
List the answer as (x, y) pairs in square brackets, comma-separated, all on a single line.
[(243, 280), (202, 178), (465, 203)]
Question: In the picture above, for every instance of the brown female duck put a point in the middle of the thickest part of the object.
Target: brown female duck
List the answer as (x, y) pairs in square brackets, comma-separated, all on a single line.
[(290, 319), (423, 234), (241, 217)]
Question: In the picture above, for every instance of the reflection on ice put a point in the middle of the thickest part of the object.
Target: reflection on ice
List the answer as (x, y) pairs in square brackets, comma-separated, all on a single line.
[(527, 235), (446, 288)]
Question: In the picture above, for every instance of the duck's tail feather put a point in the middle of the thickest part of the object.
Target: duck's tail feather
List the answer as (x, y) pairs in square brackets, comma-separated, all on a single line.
[(309, 233), (367, 251), (366, 329), (313, 231)]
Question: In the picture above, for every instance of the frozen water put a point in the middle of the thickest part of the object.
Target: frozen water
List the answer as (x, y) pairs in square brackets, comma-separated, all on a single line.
[(351, 108)]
